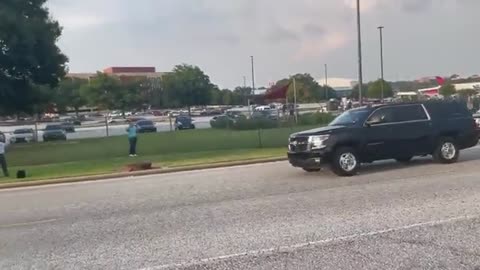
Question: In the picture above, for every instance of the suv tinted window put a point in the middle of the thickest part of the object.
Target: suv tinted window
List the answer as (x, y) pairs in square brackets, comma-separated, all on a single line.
[(382, 116), (447, 109), (409, 113)]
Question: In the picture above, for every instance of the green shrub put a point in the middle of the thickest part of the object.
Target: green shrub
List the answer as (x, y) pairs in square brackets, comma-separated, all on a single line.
[(317, 118), (242, 123), (259, 123)]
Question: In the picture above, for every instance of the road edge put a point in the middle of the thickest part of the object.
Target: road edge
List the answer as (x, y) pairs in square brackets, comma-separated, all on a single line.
[(100, 177)]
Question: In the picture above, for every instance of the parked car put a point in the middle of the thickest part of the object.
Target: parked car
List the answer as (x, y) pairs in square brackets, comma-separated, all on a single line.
[(23, 135), (184, 122), (393, 131), (54, 133), (265, 114), (3, 138), (145, 126), (69, 127)]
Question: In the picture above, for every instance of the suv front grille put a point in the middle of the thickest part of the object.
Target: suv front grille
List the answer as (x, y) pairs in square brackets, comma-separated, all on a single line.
[(298, 144)]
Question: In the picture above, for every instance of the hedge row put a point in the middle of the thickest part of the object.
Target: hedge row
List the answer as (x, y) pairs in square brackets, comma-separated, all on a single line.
[(265, 123)]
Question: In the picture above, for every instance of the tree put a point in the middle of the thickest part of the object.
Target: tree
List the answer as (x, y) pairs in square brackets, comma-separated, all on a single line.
[(187, 86), (308, 89), (105, 92), (375, 89), (29, 56), (241, 95), (447, 90), (355, 92), (227, 97), (215, 96), (68, 95)]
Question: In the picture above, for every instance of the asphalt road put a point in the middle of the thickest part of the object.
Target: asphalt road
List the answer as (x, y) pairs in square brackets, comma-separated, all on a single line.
[(269, 216)]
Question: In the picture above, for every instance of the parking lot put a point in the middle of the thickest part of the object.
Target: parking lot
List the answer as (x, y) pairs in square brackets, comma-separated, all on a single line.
[(100, 131)]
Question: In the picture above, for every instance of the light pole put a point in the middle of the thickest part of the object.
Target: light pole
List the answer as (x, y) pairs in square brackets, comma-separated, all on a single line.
[(380, 28), (253, 84), (245, 89), (253, 74), (360, 71), (326, 82)]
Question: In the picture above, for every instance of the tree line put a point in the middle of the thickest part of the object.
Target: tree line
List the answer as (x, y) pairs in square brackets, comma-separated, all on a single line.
[(185, 86)]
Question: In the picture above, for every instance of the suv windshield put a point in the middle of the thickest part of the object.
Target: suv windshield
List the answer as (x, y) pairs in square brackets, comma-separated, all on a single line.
[(350, 118)]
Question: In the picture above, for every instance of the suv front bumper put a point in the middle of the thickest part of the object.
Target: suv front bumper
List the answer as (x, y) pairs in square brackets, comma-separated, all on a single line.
[(308, 159)]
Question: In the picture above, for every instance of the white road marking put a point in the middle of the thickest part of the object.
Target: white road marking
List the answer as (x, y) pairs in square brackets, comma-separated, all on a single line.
[(292, 248), (28, 223)]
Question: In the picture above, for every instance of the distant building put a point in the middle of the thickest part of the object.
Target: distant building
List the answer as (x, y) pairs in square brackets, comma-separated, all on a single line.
[(434, 91), (343, 86), (148, 72), (344, 91), (139, 72)]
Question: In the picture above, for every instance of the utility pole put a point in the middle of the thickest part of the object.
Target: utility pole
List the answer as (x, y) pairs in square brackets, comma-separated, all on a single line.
[(253, 85), (245, 89), (360, 69), (253, 74), (380, 28), (295, 99), (326, 82)]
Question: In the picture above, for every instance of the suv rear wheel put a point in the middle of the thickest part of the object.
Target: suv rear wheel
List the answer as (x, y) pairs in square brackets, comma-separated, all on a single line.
[(447, 151), (345, 162)]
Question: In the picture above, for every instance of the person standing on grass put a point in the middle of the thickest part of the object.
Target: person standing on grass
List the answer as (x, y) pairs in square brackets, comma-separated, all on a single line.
[(132, 139), (3, 160)]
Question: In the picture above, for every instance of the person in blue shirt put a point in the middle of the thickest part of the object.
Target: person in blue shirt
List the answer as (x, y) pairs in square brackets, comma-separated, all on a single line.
[(132, 139), (3, 160)]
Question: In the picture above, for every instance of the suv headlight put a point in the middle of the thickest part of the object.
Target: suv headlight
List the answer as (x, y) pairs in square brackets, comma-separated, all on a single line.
[(317, 142)]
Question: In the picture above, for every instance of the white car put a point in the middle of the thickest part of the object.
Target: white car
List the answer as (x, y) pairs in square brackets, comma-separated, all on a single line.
[(23, 135)]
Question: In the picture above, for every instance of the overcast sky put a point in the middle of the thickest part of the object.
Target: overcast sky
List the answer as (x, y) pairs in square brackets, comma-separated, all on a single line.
[(421, 38)]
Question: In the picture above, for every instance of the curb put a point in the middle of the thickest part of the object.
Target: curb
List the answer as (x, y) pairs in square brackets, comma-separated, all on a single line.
[(138, 173)]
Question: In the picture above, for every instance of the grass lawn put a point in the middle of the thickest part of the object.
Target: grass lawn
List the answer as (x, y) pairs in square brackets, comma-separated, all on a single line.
[(104, 166), (169, 149)]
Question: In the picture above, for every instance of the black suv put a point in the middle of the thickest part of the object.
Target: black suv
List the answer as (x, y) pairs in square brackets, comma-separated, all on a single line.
[(394, 131)]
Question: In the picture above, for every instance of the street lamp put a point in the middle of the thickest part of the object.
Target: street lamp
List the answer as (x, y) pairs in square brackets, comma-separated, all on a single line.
[(380, 28), (253, 84), (326, 82), (360, 75), (253, 74)]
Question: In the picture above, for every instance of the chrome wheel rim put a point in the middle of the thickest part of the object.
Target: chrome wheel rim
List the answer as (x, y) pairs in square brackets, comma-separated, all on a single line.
[(448, 150), (348, 162)]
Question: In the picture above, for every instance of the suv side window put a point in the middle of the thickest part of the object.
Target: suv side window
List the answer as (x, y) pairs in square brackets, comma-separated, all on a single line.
[(409, 113), (382, 116)]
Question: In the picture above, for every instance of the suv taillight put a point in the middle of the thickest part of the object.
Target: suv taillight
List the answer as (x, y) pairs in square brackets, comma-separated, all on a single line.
[(477, 123)]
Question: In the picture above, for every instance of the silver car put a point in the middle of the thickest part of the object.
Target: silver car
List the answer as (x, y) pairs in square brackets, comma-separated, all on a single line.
[(24, 135)]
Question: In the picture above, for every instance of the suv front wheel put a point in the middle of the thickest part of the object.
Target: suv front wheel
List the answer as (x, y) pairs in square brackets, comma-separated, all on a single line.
[(447, 151), (345, 162)]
